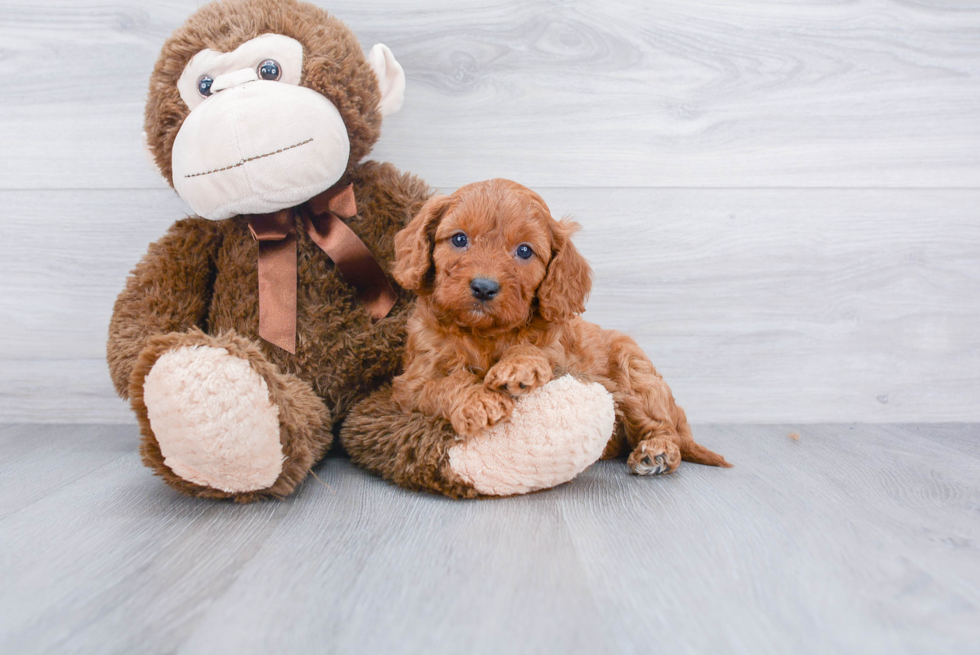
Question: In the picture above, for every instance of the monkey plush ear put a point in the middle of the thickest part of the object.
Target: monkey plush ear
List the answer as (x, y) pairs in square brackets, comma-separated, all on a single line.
[(391, 78)]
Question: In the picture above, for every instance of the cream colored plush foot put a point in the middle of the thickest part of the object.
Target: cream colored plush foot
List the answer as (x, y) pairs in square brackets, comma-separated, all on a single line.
[(211, 414), (555, 433)]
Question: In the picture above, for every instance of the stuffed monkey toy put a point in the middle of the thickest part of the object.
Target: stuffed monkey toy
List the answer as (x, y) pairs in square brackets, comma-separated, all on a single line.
[(246, 334)]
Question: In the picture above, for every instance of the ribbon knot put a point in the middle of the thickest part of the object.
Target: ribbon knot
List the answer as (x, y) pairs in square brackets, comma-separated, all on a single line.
[(323, 220)]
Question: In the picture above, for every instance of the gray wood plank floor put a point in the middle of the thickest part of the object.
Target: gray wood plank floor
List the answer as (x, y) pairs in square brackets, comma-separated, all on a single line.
[(852, 539)]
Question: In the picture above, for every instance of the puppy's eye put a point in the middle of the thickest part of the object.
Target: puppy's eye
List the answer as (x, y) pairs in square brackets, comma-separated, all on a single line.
[(459, 240), (269, 70), (524, 251), (204, 86)]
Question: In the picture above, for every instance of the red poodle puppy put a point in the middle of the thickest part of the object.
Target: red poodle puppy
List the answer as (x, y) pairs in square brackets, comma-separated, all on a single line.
[(500, 288)]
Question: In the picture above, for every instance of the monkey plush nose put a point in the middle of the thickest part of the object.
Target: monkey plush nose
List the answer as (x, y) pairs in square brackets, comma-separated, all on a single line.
[(484, 288), (236, 78)]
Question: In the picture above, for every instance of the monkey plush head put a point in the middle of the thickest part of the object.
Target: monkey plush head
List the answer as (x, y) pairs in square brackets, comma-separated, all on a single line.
[(259, 105)]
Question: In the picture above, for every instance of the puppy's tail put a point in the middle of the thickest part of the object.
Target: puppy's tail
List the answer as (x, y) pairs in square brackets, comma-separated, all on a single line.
[(695, 452)]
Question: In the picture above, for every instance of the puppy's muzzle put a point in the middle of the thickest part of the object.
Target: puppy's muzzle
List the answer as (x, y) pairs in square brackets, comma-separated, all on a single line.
[(484, 288)]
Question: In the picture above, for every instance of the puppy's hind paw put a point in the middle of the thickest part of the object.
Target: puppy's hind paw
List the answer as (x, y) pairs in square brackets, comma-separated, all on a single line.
[(654, 457)]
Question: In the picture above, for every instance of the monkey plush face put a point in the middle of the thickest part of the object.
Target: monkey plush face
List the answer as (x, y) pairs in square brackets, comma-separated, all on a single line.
[(259, 105)]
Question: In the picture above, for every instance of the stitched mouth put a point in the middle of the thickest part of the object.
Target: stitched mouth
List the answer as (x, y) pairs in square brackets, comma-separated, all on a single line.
[(245, 161)]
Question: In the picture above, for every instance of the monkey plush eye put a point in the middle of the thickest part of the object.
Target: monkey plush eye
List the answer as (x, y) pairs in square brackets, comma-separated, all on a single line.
[(204, 85), (524, 251), (269, 70), (459, 240)]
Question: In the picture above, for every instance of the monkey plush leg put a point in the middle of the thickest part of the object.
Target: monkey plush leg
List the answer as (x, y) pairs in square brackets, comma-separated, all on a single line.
[(554, 434), (219, 421)]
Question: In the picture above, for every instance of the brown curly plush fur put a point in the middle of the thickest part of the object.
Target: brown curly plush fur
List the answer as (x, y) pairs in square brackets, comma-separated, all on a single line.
[(410, 449), (198, 284), (203, 274)]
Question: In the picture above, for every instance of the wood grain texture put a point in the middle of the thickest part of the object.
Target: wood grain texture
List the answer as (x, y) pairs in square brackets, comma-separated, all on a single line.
[(756, 305), (841, 541), (704, 147), (38, 459), (850, 539), (618, 93)]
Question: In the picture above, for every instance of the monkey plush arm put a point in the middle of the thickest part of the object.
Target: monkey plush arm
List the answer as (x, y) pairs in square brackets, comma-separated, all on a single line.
[(168, 291)]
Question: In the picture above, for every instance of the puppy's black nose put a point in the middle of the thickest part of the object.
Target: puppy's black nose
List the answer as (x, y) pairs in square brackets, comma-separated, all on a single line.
[(484, 288)]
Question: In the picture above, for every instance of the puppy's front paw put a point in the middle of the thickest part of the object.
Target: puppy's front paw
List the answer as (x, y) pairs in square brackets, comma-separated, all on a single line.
[(480, 409), (654, 457), (518, 376)]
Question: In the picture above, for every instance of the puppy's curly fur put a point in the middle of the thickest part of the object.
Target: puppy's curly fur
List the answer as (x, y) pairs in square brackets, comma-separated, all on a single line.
[(500, 288)]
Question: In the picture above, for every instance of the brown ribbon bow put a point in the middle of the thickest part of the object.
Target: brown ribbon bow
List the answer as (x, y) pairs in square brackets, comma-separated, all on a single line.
[(323, 219)]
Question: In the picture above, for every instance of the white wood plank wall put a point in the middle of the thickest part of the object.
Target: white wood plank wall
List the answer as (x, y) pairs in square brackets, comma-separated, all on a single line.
[(781, 200)]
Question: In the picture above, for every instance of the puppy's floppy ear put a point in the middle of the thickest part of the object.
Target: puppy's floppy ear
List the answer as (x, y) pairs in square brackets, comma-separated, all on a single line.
[(413, 245), (567, 283)]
